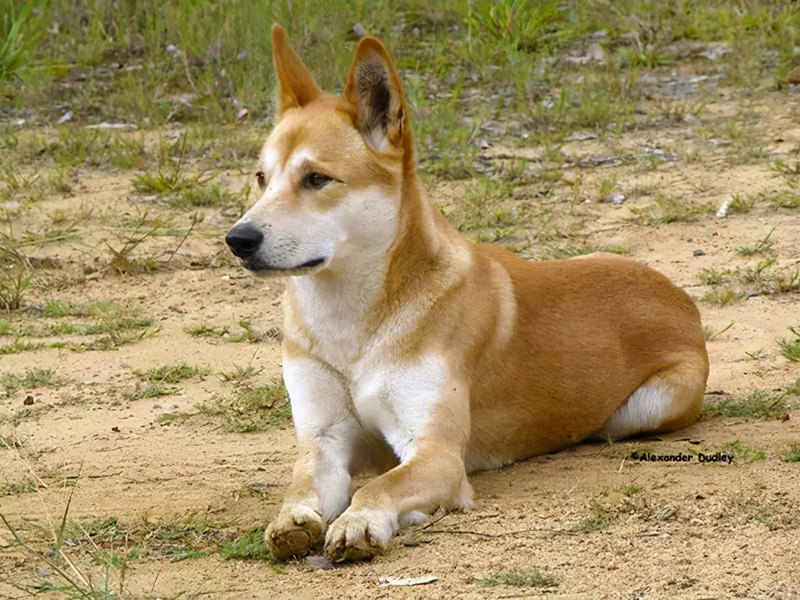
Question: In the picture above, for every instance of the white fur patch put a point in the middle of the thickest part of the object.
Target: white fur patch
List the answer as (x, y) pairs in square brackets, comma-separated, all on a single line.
[(322, 418), (398, 402), (335, 306), (645, 410)]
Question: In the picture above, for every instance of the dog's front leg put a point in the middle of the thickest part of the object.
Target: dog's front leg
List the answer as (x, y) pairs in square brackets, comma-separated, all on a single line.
[(327, 434), (430, 476)]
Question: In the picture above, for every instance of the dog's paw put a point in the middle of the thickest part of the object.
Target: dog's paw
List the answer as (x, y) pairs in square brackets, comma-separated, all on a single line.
[(359, 534), (295, 532)]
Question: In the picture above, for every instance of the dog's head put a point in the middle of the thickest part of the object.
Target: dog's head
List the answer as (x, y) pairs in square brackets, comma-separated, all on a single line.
[(331, 171)]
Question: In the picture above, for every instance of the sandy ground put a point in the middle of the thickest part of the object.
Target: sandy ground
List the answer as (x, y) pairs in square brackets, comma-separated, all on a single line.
[(687, 530)]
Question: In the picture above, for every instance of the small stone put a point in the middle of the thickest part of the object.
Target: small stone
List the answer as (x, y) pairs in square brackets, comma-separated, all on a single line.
[(698, 253), (28, 401), (318, 563), (615, 198)]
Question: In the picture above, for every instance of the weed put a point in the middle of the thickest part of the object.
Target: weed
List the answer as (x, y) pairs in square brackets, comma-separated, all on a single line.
[(240, 375), (670, 210), (32, 378), (247, 335), (599, 518), (170, 177), (571, 251), (710, 333), (762, 246), (16, 274), (790, 348), (172, 373), (711, 276), (204, 330), (517, 24), (168, 418), (742, 282), (758, 404), (793, 454), (742, 204), (744, 452), (251, 408), (630, 490), (15, 42), (720, 296), (250, 545), (18, 346), (154, 390), (519, 578), (179, 553)]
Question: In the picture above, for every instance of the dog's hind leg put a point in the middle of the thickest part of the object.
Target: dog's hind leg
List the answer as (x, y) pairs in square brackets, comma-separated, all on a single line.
[(668, 401)]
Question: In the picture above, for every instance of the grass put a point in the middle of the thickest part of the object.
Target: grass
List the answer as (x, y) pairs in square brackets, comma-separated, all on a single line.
[(742, 204), (246, 335), (153, 390), (762, 246), (759, 404), (108, 324), (32, 378), (763, 278), (529, 578), (172, 373), (793, 454), (743, 452), (630, 490), (790, 347), (572, 251), (671, 210), (249, 545), (599, 518), (250, 409)]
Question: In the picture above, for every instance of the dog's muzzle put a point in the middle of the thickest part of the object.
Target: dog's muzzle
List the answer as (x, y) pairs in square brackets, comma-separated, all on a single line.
[(244, 240)]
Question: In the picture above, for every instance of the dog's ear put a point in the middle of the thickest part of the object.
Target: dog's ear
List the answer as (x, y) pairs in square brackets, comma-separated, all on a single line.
[(375, 90), (295, 84)]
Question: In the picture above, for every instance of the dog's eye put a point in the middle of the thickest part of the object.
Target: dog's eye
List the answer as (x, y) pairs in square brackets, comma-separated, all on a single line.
[(261, 179), (316, 180)]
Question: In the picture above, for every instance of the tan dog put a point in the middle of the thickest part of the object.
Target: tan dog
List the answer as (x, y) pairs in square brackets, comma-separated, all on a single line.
[(414, 352)]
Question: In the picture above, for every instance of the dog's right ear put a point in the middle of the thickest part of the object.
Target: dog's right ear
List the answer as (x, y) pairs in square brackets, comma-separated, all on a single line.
[(295, 84)]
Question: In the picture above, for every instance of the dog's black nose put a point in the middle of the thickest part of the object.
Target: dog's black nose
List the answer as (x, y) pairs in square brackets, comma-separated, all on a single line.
[(244, 240)]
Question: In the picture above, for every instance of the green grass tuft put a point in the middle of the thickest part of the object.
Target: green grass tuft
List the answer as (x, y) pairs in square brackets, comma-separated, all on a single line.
[(793, 454), (172, 373), (670, 210), (250, 545), (32, 378), (758, 404), (744, 452), (251, 408), (790, 348), (519, 578)]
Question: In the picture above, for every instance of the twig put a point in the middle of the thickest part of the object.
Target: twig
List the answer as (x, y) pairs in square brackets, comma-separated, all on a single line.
[(183, 239)]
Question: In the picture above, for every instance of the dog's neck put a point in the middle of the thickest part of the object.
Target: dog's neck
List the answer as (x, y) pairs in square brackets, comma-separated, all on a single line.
[(340, 308)]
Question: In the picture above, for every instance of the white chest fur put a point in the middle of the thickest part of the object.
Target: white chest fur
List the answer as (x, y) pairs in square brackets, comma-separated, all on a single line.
[(397, 401)]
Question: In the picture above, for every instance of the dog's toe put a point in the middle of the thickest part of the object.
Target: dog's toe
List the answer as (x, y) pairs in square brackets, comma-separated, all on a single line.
[(294, 533), (358, 535)]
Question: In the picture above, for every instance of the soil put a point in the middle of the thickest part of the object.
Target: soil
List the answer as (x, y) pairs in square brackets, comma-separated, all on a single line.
[(598, 521)]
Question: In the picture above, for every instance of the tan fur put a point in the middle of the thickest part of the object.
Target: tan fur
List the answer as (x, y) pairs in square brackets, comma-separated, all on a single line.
[(525, 358)]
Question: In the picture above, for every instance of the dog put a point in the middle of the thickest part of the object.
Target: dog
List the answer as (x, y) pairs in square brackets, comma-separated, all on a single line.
[(414, 353)]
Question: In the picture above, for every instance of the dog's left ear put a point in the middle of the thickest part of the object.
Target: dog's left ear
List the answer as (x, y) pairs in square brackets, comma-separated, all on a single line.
[(375, 90)]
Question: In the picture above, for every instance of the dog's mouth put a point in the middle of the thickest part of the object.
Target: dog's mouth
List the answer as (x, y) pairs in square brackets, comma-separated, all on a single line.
[(266, 270)]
